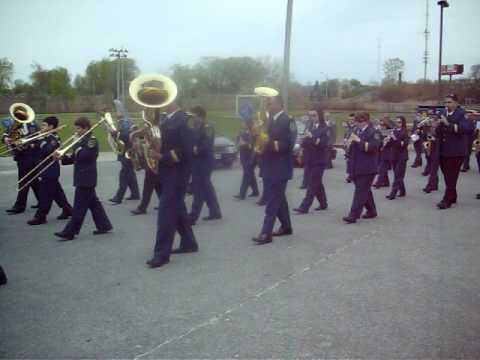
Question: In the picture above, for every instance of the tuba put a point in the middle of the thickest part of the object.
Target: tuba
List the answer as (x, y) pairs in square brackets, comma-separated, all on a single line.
[(260, 127), (21, 114), (153, 92)]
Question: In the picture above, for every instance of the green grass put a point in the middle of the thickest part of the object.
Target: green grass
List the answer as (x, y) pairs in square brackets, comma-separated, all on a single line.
[(225, 123)]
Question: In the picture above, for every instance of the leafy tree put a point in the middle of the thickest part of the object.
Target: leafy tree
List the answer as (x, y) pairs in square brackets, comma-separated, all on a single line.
[(22, 87), (6, 73), (391, 68)]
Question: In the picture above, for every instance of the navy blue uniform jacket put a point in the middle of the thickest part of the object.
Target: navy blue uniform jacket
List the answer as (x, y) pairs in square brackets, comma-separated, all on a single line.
[(84, 160), (318, 145), (364, 154), (48, 146), (451, 137), (277, 157), (399, 147), (203, 142)]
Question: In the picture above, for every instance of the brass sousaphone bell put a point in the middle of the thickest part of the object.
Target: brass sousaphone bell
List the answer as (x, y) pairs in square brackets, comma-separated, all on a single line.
[(152, 91), (261, 124)]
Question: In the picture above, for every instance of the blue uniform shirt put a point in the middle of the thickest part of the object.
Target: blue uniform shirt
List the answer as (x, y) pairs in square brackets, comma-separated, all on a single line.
[(84, 160), (364, 154)]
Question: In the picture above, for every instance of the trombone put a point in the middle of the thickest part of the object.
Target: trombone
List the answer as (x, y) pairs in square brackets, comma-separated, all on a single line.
[(25, 140), (61, 151)]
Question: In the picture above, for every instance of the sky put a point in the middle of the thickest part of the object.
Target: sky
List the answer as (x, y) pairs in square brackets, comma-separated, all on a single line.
[(330, 39)]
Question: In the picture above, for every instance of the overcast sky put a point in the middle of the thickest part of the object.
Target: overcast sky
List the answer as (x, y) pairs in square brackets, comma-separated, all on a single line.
[(338, 38)]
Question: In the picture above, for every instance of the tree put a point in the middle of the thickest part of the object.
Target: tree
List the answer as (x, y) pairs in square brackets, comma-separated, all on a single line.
[(6, 73), (22, 87), (392, 68), (475, 72)]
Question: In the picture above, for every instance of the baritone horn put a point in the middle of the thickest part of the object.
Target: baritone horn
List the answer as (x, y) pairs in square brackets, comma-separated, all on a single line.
[(261, 124), (153, 92)]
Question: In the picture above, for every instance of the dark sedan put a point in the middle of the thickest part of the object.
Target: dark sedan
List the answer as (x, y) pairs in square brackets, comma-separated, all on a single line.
[(225, 152)]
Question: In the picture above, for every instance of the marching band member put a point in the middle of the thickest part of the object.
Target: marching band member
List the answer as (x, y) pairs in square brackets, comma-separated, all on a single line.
[(49, 186), (363, 167), (332, 126), (398, 142), (451, 133), (127, 175), (385, 158), (316, 142), (26, 157), (470, 137), (174, 169), (278, 169), (432, 153), (417, 145), (84, 160), (202, 167), (246, 143), (306, 155)]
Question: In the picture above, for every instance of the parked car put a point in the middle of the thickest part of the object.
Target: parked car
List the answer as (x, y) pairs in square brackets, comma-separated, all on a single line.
[(225, 152)]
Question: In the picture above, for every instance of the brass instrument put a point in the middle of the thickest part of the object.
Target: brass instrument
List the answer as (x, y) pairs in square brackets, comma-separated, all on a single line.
[(152, 91), (21, 114), (61, 151), (476, 144), (260, 127), (117, 145)]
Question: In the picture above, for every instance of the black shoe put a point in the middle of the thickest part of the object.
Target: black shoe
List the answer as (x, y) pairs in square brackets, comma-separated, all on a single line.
[(133, 198), (155, 208), (349, 219), (416, 165), (36, 221), (464, 169), (115, 201), (239, 197), (104, 231), (64, 236), (478, 196), (254, 194), (425, 173), (402, 194), (300, 211), (321, 207), (34, 206), (14, 211), (303, 187), (211, 217), (3, 277), (263, 239), (282, 232), (138, 212), (261, 203), (442, 205), (65, 215), (368, 215), (156, 263), (390, 197), (184, 250)]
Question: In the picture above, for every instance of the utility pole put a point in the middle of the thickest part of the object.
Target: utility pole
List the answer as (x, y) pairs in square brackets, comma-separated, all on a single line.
[(379, 60), (119, 54), (443, 4), (286, 54), (425, 56)]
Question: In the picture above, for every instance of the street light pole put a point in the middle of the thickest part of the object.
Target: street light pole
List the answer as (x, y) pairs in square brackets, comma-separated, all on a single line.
[(326, 83), (443, 4), (286, 54)]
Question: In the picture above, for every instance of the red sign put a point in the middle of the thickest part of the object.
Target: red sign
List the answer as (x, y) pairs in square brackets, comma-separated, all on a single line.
[(455, 69)]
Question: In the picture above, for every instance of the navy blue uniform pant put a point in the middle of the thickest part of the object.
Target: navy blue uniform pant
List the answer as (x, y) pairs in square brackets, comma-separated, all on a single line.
[(86, 199), (363, 196), (150, 183), (249, 180), (277, 207), (306, 175), (418, 147), (432, 169), (382, 178), (315, 188), (24, 167), (466, 162), (399, 169), (203, 192), (127, 179), (172, 217), (451, 169), (51, 190)]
